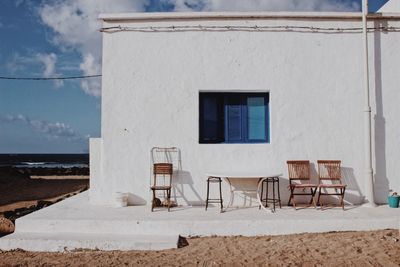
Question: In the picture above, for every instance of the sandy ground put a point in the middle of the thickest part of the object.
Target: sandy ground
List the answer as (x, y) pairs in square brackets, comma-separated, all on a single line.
[(375, 248)]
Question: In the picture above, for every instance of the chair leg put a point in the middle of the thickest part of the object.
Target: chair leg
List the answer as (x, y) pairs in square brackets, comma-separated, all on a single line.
[(319, 196), (261, 195), (169, 199), (220, 194), (321, 202), (313, 192), (279, 196), (342, 197), (290, 197), (154, 199), (208, 192)]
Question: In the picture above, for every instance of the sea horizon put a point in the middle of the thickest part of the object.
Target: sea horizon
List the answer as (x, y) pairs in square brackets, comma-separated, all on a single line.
[(44, 160)]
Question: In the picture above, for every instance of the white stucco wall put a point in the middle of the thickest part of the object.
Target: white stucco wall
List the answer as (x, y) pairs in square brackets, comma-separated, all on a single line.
[(150, 97)]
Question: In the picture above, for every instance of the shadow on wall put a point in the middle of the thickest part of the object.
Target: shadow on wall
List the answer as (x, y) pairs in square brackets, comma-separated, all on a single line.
[(381, 182), (182, 182), (353, 194)]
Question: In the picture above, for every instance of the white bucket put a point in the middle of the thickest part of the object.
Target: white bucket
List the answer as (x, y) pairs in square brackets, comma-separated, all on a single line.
[(121, 199)]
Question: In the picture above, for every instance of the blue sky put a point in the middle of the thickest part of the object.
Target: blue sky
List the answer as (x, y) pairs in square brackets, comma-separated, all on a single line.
[(57, 38)]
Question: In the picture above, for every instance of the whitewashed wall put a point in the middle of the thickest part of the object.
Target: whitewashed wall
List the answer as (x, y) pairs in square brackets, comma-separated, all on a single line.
[(150, 97)]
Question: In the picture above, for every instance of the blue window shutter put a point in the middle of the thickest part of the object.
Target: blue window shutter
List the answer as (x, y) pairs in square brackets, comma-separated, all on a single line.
[(256, 118), (211, 118), (233, 118)]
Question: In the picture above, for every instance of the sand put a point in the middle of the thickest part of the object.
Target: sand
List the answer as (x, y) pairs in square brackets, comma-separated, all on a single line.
[(374, 248)]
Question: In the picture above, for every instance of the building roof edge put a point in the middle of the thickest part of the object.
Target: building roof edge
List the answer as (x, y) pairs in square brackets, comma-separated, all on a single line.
[(151, 16)]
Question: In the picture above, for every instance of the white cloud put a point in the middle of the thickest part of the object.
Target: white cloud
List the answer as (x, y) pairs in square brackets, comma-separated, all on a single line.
[(52, 130), (265, 5), (49, 64), (75, 25), (89, 66), (18, 62)]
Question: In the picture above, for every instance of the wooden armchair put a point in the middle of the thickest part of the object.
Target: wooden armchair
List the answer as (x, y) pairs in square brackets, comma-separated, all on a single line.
[(299, 170), (329, 171)]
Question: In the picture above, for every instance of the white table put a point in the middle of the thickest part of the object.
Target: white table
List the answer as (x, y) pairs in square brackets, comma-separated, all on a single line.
[(260, 176)]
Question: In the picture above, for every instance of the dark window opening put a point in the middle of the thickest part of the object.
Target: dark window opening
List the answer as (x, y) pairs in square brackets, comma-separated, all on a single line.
[(234, 118)]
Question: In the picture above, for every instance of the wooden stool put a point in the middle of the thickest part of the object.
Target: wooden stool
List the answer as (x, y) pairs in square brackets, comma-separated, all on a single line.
[(214, 200)]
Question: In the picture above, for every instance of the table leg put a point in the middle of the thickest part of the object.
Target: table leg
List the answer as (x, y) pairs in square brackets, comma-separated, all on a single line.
[(230, 203)]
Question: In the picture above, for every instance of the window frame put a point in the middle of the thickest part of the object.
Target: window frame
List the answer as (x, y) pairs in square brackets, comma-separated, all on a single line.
[(244, 121)]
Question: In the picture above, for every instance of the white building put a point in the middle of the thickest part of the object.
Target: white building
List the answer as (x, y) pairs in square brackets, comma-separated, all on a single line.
[(301, 74)]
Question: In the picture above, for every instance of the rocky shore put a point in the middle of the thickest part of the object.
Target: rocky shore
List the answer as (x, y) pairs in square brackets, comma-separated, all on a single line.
[(24, 190)]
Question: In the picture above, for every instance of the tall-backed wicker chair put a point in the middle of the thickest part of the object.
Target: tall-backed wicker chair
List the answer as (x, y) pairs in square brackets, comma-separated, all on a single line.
[(329, 171), (165, 170), (300, 178)]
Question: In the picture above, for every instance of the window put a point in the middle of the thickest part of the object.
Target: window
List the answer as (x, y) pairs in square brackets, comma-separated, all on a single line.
[(234, 118)]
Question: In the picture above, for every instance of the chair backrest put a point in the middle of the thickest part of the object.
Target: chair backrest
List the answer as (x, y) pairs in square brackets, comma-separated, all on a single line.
[(165, 169), (162, 168), (299, 169), (329, 170)]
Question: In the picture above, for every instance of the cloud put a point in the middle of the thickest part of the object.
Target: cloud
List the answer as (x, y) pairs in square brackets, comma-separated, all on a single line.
[(89, 66), (74, 23), (264, 5), (52, 130), (18, 62), (49, 63), (75, 26)]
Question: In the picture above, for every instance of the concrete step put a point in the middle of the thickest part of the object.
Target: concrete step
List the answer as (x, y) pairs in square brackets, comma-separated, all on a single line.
[(59, 242), (246, 226)]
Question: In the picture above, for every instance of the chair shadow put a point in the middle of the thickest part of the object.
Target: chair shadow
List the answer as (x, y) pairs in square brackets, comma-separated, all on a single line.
[(353, 195), (182, 181)]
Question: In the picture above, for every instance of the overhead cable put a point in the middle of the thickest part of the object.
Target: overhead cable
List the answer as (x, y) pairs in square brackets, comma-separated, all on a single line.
[(49, 78)]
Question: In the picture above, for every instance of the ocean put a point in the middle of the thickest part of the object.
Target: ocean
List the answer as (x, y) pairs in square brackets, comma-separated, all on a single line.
[(45, 160)]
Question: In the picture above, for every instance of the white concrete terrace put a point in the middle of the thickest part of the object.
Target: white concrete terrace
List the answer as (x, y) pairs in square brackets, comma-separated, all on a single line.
[(74, 223)]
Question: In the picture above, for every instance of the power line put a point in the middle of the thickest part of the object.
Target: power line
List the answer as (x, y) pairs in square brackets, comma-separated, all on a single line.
[(49, 78)]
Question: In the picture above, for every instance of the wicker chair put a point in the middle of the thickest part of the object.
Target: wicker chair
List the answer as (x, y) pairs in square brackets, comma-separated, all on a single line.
[(329, 170), (164, 169), (299, 170)]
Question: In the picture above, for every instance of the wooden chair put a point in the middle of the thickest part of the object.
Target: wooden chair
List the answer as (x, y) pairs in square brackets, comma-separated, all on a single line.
[(164, 169), (299, 170), (329, 170)]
